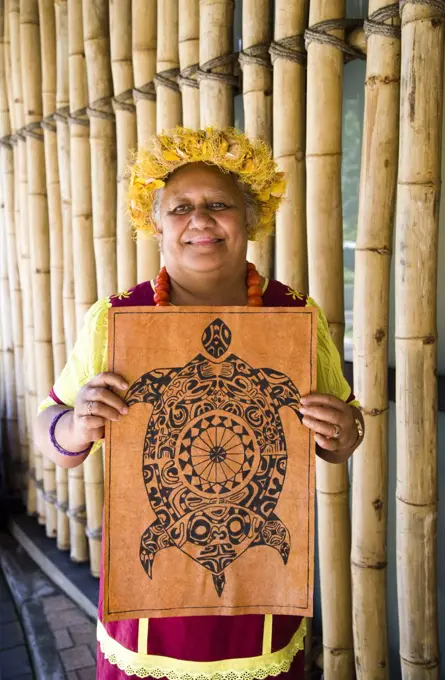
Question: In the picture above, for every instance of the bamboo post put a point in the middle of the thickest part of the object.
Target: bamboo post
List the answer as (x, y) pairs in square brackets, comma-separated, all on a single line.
[(144, 40), (168, 95), (126, 137), (189, 61), (103, 173), (35, 502), (216, 80), (9, 277), (289, 140), (61, 318), (39, 234), (10, 177), (418, 196), (85, 289), (325, 257), (58, 477), (257, 98), (102, 141), (371, 311)]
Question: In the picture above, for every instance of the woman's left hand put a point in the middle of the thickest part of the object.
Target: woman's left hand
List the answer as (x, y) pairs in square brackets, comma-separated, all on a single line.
[(333, 422)]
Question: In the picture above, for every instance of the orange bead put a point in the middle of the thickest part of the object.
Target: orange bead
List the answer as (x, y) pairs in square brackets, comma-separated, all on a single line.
[(163, 285), (162, 303), (251, 267), (254, 291), (254, 280), (162, 294), (255, 302)]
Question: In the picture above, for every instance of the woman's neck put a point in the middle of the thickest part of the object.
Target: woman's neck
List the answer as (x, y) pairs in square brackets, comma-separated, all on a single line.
[(209, 289)]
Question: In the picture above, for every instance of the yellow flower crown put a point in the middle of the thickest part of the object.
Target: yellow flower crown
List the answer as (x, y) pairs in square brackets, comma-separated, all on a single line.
[(230, 150)]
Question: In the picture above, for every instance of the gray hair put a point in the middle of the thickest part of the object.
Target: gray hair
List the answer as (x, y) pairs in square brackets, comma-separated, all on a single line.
[(251, 203)]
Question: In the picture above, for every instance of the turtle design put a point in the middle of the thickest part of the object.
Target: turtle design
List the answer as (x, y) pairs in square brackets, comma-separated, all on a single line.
[(214, 459)]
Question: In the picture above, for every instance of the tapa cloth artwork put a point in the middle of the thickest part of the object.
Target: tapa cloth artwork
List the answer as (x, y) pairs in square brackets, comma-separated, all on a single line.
[(209, 479)]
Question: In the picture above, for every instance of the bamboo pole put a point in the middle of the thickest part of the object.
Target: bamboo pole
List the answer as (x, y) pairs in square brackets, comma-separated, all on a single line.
[(85, 289), (126, 136), (61, 318), (35, 502), (168, 95), (57, 478), (289, 140), (325, 256), (39, 234), (8, 282), (216, 80), (102, 141), (9, 164), (189, 61), (257, 98), (418, 196), (103, 167), (371, 312), (144, 37)]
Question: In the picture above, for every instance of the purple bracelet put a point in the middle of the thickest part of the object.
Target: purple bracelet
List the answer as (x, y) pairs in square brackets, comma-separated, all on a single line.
[(54, 442)]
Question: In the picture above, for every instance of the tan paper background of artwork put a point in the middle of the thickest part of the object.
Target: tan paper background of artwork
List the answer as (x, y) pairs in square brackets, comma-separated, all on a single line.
[(144, 338)]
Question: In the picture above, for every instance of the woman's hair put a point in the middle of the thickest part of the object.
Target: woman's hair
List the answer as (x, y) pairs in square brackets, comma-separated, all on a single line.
[(250, 202), (250, 162)]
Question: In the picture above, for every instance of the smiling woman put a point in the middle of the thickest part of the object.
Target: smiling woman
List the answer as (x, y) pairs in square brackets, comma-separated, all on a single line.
[(203, 195)]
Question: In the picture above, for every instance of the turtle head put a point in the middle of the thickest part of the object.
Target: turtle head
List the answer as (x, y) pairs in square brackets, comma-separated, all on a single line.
[(216, 338)]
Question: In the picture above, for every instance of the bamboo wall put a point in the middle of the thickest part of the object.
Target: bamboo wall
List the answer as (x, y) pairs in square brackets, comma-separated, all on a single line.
[(82, 84)]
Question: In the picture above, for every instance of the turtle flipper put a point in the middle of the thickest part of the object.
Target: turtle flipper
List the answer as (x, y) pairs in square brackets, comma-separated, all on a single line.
[(283, 390), (149, 387), (219, 581), (274, 534), (154, 539)]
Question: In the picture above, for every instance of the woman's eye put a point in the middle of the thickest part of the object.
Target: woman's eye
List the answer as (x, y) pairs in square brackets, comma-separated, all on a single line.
[(181, 209), (218, 205)]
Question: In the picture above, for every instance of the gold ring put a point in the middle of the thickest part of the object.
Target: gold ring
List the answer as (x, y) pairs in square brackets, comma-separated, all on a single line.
[(90, 407), (336, 433)]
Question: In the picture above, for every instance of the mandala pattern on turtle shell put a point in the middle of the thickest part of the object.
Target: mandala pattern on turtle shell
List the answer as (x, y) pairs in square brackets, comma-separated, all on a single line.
[(214, 460)]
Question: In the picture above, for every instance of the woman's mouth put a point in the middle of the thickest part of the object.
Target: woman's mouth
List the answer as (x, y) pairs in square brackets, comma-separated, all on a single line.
[(204, 241)]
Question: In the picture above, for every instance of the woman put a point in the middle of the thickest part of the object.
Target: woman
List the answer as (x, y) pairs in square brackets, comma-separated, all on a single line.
[(204, 194)]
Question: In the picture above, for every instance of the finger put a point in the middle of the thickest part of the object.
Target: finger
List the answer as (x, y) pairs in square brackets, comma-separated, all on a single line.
[(320, 427), (325, 414), (105, 396), (327, 444), (97, 408), (318, 399), (110, 379), (91, 423)]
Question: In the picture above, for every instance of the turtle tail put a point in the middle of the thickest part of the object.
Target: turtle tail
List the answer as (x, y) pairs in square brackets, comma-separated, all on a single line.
[(219, 581)]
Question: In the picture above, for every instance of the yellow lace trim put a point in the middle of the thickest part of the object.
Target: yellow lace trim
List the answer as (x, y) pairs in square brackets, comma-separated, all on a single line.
[(148, 665)]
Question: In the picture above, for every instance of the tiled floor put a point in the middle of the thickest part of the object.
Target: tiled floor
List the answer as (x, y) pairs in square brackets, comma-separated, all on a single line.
[(42, 632), (14, 658)]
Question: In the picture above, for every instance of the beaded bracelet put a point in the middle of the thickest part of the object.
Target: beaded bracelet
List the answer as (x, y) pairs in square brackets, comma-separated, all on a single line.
[(54, 442)]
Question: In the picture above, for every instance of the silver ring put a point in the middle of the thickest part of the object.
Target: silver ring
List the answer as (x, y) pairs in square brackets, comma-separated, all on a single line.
[(336, 433), (89, 409)]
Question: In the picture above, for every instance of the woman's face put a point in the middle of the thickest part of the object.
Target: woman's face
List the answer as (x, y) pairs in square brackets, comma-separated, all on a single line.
[(203, 220)]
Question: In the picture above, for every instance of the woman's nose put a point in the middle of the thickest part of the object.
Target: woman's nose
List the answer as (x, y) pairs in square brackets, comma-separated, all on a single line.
[(201, 218)]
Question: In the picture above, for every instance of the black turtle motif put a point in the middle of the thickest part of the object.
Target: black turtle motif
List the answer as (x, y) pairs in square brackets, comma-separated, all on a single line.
[(214, 460)]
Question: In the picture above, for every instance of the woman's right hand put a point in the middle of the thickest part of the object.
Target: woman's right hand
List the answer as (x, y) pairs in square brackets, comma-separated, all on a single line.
[(95, 404)]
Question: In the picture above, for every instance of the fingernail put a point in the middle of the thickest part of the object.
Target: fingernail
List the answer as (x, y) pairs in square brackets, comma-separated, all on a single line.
[(302, 410), (124, 386), (125, 410), (302, 400)]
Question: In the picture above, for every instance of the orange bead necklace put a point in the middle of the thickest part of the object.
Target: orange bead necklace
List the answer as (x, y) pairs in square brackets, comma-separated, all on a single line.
[(253, 280)]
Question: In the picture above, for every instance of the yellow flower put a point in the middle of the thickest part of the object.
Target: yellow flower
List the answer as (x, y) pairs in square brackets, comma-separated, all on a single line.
[(294, 295), (122, 296)]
